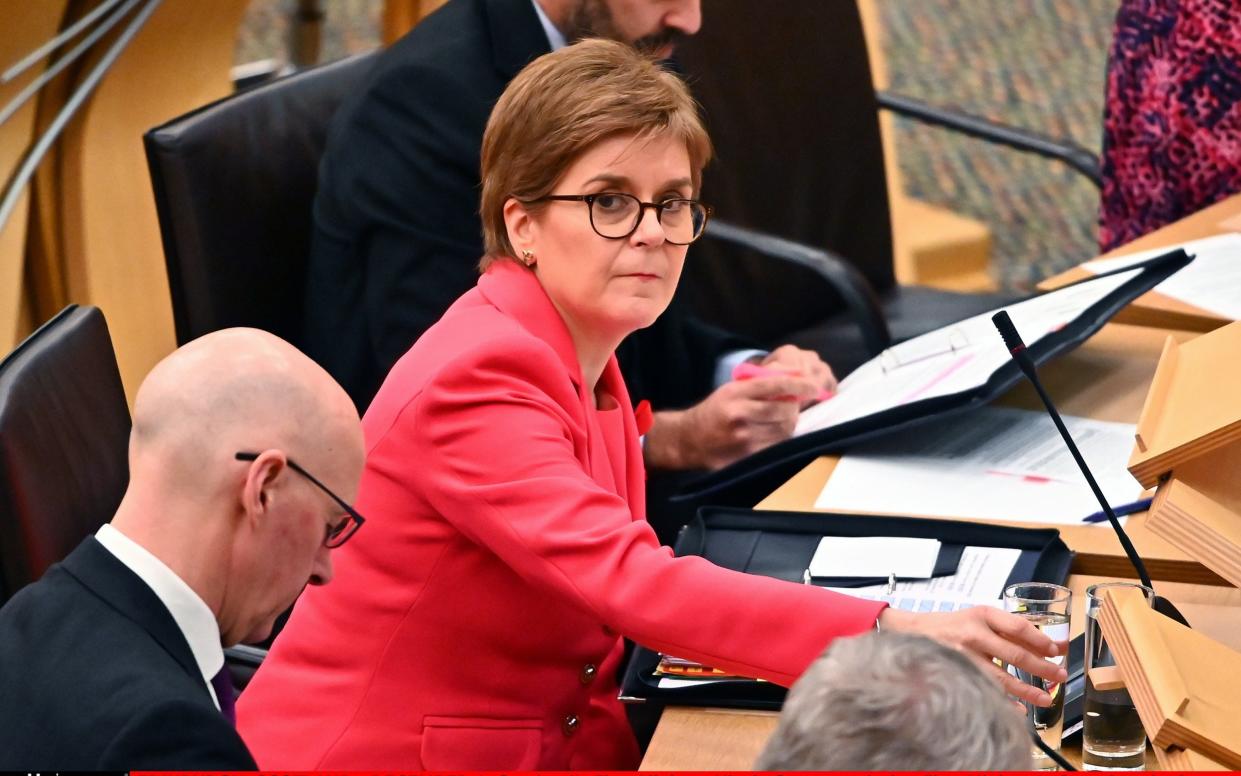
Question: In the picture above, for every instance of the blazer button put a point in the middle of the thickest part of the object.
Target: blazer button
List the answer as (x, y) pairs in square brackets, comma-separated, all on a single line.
[(570, 725), (588, 673)]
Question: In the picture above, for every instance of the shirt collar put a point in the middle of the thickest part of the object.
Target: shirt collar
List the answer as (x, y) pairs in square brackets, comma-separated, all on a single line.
[(554, 36), (191, 614)]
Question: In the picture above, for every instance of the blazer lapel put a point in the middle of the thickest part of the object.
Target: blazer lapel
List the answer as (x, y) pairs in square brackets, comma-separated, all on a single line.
[(516, 292), (104, 575), (517, 36)]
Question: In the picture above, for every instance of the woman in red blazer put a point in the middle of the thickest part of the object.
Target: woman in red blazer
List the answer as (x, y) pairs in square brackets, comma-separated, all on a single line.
[(477, 623)]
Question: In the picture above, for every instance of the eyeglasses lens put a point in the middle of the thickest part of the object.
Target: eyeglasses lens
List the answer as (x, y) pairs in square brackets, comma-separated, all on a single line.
[(616, 216)]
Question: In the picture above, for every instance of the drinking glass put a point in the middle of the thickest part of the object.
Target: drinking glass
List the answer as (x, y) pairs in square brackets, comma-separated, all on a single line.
[(1112, 734), (1046, 606)]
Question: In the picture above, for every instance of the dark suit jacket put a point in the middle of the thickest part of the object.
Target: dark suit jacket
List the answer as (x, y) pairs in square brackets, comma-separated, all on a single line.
[(397, 234), (96, 675)]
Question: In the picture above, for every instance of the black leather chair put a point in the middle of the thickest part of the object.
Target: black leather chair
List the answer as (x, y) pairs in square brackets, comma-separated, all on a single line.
[(234, 183), (64, 440), (788, 98)]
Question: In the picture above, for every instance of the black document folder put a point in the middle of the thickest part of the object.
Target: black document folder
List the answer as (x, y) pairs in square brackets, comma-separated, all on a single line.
[(780, 545), (749, 480)]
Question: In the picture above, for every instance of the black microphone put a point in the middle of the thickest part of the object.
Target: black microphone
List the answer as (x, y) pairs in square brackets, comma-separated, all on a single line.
[(1017, 349)]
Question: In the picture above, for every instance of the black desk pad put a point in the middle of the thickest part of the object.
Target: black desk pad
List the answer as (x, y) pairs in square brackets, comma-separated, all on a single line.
[(780, 545)]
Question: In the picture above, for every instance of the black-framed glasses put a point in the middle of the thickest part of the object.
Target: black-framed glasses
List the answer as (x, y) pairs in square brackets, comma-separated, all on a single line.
[(615, 216), (338, 533)]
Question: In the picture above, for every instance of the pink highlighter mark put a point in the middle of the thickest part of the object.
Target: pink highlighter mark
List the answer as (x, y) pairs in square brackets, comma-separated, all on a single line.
[(954, 366), (1023, 477)]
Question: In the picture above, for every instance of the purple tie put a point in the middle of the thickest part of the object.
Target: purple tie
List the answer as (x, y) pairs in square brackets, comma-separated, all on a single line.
[(223, 685)]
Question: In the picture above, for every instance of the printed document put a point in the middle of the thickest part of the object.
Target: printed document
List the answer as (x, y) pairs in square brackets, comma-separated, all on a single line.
[(1003, 464), (979, 581), (950, 360), (1212, 281)]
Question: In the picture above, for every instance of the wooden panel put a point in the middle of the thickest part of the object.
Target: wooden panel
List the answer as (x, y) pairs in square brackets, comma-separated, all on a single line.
[(708, 739), (113, 255), (26, 26)]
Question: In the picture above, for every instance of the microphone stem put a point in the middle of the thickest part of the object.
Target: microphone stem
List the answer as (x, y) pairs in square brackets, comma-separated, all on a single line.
[(1098, 492)]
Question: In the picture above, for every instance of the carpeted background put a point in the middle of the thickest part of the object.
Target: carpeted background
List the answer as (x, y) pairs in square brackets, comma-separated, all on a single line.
[(1033, 63)]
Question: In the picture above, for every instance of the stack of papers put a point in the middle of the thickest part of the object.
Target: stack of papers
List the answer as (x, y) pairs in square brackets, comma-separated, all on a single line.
[(1004, 464), (1212, 281), (674, 672), (950, 360), (980, 579)]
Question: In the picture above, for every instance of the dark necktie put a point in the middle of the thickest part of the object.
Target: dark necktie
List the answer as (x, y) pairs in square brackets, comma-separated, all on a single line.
[(222, 683)]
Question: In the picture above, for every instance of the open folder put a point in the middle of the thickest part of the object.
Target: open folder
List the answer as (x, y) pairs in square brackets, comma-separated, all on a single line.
[(783, 544), (949, 370)]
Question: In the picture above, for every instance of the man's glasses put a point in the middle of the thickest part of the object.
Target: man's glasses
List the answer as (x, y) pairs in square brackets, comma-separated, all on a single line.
[(616, 216), (338, 533)]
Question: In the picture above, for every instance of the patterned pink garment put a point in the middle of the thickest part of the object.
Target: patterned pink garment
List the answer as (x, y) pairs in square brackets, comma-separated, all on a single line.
[(1172, 122)]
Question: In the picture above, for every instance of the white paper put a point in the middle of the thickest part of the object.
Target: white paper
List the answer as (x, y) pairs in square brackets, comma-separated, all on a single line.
[(919, 602), (1003, 464), (1212, 281), (950, 360), (980, 579), (874, 556)]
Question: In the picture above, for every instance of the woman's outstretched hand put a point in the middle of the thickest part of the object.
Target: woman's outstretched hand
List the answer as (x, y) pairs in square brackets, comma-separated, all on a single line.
[(987, 635)]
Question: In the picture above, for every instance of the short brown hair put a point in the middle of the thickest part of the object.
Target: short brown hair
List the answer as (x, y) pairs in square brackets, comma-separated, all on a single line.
[(563, 103)]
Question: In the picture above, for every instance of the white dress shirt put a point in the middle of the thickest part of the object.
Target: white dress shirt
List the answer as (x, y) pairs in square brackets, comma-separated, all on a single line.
[(192, 616), (554, 36)]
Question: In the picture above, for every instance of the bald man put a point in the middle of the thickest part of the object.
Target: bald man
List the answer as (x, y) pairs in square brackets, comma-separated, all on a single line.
[(243, 458)]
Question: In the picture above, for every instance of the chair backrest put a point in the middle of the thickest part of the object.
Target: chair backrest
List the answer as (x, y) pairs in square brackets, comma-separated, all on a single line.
[(787, 94), (234, 186), (64, 439)]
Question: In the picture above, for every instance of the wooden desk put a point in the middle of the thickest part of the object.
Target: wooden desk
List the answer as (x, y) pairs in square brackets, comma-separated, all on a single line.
[(690, 739), (1153, 308), (1106, 379)]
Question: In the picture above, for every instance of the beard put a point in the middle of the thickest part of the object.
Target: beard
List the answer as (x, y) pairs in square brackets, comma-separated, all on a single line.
[(593, 19)]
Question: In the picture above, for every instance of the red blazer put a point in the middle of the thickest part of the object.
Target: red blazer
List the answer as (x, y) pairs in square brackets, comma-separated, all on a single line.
[(475, 621)]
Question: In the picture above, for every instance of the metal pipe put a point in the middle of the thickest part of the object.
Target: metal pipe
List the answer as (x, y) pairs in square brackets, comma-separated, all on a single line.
[(52, 71), (55, 42), (36, 153)]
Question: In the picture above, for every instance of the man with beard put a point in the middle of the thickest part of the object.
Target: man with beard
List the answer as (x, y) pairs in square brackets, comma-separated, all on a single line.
[(397, 235)]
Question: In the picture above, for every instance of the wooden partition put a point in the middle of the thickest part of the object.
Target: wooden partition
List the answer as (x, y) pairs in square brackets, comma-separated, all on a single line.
[(105, 220), (27, 25)]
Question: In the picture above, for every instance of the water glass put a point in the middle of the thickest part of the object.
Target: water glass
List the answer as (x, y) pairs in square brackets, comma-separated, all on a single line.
[(1047, 607), (1112, 734)]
